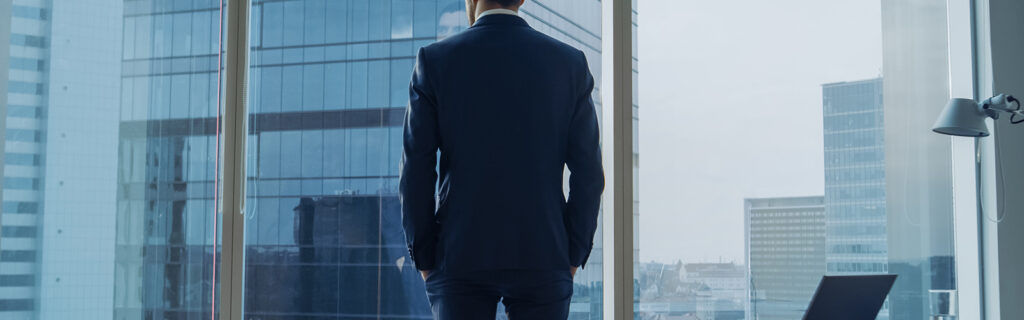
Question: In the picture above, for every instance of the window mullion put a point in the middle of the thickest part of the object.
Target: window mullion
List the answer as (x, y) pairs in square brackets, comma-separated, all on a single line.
[(617, 140), (234, 135)]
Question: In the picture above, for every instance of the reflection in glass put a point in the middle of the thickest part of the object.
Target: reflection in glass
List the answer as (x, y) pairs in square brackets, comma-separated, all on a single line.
[(328, 89), (167, 239)]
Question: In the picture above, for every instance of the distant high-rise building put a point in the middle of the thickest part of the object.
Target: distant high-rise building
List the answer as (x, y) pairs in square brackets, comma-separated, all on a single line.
[(26, 60), (785, 252), (59, 150), (855, 177), (855, 198)]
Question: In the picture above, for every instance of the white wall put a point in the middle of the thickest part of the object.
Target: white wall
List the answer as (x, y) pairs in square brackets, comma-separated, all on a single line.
[(1001, 70)]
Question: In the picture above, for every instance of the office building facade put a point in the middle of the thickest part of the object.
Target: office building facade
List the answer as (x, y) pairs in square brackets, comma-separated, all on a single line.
[(855, 184), (25, 57), (327, 94), (785, 251), (855, 177), (59, 167)]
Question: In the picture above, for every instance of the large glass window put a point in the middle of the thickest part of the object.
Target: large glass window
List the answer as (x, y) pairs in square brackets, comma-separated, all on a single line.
[(786, 141), (328, 89), (110, 163), (782, 142)]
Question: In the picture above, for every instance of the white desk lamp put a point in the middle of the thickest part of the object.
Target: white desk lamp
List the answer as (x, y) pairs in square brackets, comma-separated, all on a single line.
[(966, 118)]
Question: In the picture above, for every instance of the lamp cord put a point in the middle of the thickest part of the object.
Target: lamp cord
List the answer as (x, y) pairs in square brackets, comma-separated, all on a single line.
[(1001, 192), (1000, 213), (1013, 116)]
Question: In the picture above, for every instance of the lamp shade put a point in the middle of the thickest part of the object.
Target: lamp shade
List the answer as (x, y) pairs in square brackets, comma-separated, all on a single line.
[(962, 117)]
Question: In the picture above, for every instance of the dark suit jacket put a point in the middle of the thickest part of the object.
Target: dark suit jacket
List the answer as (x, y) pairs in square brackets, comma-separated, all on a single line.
[(508, 108)]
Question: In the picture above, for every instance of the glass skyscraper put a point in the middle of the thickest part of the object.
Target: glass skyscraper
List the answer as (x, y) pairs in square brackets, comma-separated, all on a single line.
[(328, 88), (855, 200), (855, 177)]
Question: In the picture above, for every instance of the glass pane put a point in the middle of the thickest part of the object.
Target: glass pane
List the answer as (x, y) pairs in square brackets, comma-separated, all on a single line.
[(329, 84), (328, 89), (787, 141), (109, 159)]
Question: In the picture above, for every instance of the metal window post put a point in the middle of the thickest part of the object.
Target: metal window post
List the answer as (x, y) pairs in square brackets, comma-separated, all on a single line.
[(236, 66), (617, 141), (967, 220)]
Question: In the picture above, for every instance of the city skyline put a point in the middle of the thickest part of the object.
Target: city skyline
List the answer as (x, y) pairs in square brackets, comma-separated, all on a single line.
[(733, 111)]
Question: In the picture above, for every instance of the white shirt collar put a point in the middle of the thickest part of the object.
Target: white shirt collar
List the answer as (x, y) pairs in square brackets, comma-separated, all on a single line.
[(496, 11)]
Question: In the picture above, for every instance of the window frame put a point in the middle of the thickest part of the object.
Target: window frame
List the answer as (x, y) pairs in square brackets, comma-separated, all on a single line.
[(235, 130), (617, 148), (963, 70)]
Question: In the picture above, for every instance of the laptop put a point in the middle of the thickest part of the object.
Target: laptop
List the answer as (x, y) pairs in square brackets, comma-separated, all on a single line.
[(849, 297)]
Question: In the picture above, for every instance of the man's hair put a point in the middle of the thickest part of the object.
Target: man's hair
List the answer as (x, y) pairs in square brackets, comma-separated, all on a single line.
[(506, 3)]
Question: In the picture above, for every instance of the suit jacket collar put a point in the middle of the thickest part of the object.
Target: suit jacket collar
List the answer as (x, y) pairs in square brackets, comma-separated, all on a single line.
[(500, 20)]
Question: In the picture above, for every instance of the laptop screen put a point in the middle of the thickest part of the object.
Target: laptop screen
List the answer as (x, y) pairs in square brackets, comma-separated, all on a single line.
[(849, 297)]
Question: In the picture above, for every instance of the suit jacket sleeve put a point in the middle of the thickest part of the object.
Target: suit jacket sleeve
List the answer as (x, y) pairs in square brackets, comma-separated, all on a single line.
[(586, 179), (419, 169)]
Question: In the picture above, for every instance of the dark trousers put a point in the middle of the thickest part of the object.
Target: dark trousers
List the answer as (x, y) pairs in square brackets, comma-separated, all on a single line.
[(527, 295)]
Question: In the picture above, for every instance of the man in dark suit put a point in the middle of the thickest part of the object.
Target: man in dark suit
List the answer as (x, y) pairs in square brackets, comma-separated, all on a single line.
[(508, 108)]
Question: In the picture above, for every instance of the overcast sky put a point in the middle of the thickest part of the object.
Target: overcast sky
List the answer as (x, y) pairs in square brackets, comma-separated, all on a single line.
[(730, 108)]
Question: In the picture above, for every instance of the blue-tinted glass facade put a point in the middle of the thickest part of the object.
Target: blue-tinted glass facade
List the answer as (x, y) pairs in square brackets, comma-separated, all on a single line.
[(855, 211), (327, 91), (167, 154)]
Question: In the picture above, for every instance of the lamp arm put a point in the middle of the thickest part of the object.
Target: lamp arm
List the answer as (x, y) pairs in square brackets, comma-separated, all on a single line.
[(993, 106), (1000, 102)]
